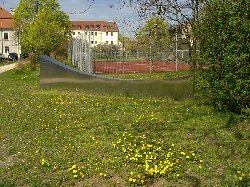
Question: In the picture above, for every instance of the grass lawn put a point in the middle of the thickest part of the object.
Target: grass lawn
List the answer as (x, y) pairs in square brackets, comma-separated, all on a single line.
[(147, 76), (52, 138)]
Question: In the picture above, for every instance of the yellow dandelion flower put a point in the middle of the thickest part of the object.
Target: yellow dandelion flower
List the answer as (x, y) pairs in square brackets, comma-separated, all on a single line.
[(183, 153), (75, 176), (240, 178), (74, 171), (43, 161), (151, 171)]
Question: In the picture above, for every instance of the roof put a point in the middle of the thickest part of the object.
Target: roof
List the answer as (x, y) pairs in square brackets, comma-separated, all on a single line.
[(6, 19), (5, 14), (6, 24), (105, 26)]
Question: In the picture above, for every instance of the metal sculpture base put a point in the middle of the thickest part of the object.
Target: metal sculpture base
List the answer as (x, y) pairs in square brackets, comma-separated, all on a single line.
[(55, 75)]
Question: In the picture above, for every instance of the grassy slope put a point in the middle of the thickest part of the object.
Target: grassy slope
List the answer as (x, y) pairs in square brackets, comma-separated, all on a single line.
[(44, 133)]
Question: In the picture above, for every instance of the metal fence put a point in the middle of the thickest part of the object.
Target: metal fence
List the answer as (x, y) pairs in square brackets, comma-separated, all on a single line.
[(105, 59), (81, 54), (120, 54)]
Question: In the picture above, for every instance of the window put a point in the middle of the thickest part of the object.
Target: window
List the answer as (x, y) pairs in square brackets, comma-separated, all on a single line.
[(86, 33), (92, 33), (107, 42), (78, 33), (6, 49), (107, 33), (95, 33), (111, 33), (95, 42), (74, 33), (92, 42), (112, 42), (6, 36)]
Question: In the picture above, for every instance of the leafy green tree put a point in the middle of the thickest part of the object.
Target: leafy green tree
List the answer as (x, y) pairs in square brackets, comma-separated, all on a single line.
[(106, 51), (224, 38), (184, 13), (41, 26), (154, 36)]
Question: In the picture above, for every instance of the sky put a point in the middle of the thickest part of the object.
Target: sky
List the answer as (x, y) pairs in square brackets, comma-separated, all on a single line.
[(95, 10)]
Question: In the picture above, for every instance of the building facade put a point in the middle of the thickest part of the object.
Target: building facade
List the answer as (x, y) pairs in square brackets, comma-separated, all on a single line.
[(8, 42), (96, 32)]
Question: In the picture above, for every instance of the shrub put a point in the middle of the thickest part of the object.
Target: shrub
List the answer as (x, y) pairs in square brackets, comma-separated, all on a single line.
[(224, 37)]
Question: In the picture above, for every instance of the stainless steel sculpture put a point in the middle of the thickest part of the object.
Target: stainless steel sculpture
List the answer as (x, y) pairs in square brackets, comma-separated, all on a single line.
[(56, 75)]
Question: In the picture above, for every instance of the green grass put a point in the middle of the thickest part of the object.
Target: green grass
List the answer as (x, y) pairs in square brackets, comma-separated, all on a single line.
[(147, 76), (55, 138)]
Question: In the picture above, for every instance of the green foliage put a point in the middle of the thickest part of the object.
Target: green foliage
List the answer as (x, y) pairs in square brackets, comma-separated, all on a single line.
[(106, 51), (224, 37), (41, 25), (154, 36)]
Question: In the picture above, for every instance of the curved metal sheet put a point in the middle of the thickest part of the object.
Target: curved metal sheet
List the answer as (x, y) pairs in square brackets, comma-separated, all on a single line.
[(56, 75)]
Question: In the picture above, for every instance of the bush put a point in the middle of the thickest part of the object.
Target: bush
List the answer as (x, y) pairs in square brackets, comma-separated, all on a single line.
[(224, 37)]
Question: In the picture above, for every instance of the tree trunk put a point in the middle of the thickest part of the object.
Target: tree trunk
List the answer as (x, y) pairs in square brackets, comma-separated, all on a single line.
[(33, 60)]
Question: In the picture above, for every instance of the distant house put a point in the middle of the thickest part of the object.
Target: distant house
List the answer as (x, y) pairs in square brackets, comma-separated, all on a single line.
[(96, 32), (8, 43)]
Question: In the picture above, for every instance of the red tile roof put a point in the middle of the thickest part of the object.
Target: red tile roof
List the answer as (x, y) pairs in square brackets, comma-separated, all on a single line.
[(6, 24), (4, 14), (6, 19), (104, 26)]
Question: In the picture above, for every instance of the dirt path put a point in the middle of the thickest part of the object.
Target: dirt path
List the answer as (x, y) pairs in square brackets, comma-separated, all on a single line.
[(7, 67)]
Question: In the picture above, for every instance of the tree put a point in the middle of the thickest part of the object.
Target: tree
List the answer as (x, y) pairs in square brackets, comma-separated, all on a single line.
[(224, 38), (41, 26), (154, 36), (184, 13)]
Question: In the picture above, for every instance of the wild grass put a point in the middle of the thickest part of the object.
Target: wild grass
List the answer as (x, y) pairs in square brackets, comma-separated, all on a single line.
[(55, 138), (146, 76)]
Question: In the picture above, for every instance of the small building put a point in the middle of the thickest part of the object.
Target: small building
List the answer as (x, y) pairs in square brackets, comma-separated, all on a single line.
[(96, 32), (8, 42)]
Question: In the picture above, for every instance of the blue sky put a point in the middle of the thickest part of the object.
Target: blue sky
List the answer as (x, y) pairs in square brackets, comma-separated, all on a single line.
[(100, 10)]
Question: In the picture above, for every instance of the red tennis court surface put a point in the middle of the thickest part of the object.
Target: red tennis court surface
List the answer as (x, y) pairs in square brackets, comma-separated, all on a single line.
[(137, 67)]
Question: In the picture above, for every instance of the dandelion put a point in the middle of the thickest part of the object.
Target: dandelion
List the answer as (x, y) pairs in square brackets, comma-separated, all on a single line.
[(151, 171), (43, 161)]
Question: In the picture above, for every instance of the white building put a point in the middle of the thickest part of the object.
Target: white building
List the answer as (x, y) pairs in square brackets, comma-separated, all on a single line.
[(8, 43), (97, 32)]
